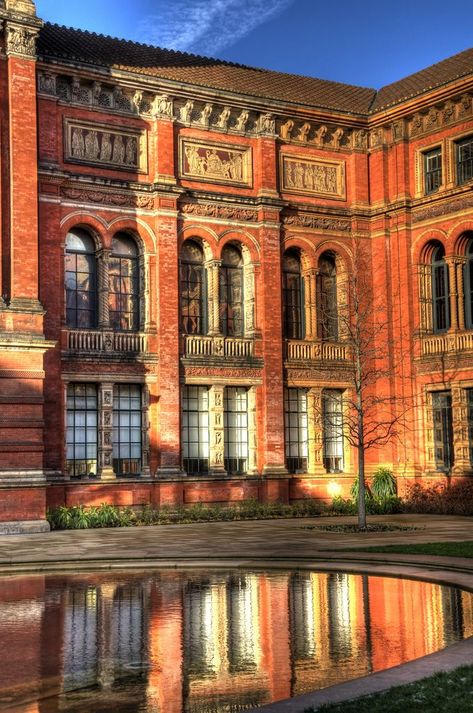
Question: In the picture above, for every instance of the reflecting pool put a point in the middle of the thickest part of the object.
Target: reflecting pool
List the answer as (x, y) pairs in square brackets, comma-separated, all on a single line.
[(209, 642)]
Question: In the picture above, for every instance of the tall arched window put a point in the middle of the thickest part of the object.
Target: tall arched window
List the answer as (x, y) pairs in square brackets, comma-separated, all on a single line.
[(193, 289), (440, 304), (80, 280), (124, 288), (231, 292), (293, 295), (468, 285), (327, 297)]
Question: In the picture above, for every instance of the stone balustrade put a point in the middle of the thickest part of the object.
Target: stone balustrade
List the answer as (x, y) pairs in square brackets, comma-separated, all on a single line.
[(200, 346), (86, 340), (298, 350), (436, 344)]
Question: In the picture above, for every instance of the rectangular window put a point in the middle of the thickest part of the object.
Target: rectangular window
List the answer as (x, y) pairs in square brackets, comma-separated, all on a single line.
[(81, 430), (195, 429), (464, 160), (236, 429), (295, 427), (432, 170), (469, 396), (127, 429), (443, 430), (332, 417)]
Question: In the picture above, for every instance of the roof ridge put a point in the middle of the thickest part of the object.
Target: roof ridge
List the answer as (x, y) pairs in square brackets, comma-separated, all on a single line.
[(213, 60)]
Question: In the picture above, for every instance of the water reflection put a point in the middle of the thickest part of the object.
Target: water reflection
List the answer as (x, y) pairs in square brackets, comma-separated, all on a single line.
[(214, 643)]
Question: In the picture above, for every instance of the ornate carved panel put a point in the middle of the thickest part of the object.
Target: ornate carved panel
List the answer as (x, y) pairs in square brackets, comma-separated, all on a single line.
[(216, 163), (21, 40), (314, 177), (102, 145)]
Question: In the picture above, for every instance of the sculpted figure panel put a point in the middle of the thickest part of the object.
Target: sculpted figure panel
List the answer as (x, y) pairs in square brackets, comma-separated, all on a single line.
[(312, 176), (96, 144), (212, 162)]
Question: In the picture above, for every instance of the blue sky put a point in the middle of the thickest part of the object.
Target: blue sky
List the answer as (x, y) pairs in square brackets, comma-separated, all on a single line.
[(365, 42)]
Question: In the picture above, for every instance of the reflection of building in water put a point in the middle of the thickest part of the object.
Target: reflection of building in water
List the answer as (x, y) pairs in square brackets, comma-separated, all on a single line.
[(80, 638), (186, 643)]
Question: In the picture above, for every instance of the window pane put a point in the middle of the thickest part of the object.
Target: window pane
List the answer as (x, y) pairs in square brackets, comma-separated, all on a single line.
[(81, 432), (295, 421), (333, 430), (195, 430), (127, 421)]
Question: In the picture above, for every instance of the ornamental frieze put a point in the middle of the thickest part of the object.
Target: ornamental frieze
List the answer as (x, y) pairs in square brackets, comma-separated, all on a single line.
[(316, 222), (212, 210), (215, 163), (223, 373), (443, 208), (313, 177), (441, 115), (101, 145), (127, 200), (314, 376)]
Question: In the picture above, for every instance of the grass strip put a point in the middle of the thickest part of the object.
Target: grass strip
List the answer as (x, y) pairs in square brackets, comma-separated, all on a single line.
[(444, 549), (446, 692)]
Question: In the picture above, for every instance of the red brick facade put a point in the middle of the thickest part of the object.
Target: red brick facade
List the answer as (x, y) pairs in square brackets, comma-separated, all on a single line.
[(156, 156)]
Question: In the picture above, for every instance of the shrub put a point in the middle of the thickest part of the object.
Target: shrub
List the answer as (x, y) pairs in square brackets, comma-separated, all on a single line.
[(440, 498), (355, 489), (383, 485)]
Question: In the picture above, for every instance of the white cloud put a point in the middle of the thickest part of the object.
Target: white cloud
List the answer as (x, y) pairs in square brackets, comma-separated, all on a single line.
[(206, 26)]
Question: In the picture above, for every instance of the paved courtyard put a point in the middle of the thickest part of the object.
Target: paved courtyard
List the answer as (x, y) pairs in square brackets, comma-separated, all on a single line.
[(274, 543)]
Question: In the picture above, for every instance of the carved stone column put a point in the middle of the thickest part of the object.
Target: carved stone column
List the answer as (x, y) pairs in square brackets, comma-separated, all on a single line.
[(103, 289), (252, 468), (213, 267), (310, 300), (105, 454), (314, 432), (453, 291), (460, 431), (216, 430), (249, 297), (425, 298), (145, 469), (459, 267)]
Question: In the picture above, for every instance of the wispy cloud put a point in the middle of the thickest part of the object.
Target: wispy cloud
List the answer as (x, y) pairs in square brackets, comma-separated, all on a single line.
[(206, 26)]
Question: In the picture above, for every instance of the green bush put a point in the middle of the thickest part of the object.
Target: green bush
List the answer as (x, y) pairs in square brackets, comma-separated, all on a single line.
[(383, 485), (440, 498)]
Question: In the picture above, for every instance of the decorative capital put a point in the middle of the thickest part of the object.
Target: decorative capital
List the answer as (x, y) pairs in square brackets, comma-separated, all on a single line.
[(21, 40)]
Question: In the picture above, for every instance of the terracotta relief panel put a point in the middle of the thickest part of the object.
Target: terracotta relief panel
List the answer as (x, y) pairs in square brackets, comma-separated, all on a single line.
[(314, 177), (216, 163), (101, 145)]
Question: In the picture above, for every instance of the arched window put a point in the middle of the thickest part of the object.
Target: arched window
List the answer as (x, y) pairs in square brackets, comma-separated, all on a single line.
[(124, 288), (468, 285), (231, 292), (440, 305), (327, 297), (193, 289), (80, 280), (293, 296)]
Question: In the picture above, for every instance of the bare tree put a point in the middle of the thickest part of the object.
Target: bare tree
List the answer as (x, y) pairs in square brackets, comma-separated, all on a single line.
[(374, 412)]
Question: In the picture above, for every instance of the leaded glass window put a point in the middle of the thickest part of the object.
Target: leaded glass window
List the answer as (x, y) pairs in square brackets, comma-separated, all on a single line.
[(468, 283), (293, 296), (440, 303), (80, 280), (81, 430), (443, 429), (193, 289), (432, 170), (295, 425), (327, 297), (465, 160), (332, 404), (236, 429), (124, 289), (231, 292), (469, 396), (195, 429), (127, 429)]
